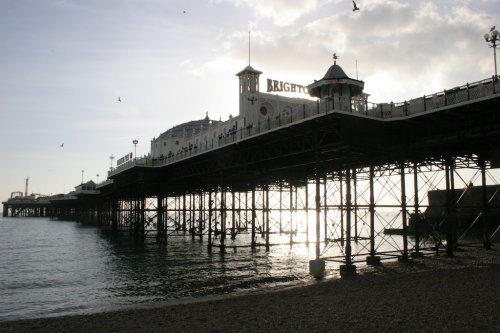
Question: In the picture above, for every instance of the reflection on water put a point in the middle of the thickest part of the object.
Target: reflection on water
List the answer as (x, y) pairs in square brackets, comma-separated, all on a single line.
[(53, 268)]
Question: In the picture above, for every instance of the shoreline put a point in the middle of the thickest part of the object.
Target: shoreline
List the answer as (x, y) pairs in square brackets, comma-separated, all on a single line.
[(434, 293)]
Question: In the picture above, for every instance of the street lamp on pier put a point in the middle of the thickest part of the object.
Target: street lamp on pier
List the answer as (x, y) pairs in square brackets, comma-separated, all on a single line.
[(82, 175), (111, 158), (491, 38), (135, 142), (97, 182)]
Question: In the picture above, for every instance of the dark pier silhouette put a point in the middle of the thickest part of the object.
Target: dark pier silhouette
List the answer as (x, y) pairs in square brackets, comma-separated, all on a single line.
[(323, 174)]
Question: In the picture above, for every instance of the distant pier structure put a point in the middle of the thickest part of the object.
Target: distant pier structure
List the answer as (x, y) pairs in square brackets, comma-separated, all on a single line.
[(80, 204), (348, 177), (26, 206)]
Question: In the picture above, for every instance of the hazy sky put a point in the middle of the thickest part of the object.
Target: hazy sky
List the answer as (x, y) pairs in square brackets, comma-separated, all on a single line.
[(64, 63)]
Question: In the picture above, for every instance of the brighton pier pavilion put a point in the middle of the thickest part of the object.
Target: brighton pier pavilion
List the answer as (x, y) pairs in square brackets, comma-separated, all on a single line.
[(355, 181)]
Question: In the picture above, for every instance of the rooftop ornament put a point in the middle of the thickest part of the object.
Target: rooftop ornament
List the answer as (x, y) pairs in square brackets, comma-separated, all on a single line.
[(491, 38)]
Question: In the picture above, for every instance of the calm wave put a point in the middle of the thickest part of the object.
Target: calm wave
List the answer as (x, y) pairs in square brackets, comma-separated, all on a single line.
[(54, 268)]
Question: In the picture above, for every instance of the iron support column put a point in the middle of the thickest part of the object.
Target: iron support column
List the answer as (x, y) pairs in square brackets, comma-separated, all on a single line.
[(266, 208), (233, 215), (307, 212), (209, 221), (223, 221), (317, 266), (486, 236), (184, 217), (341, 185), (160, 228), (318, 215), (253, 220), (355, 197), (114, 215), (246, 211), (372, 259), (453, 206), (201, 215), (417, 222), (348, 269), (449, 208), (325, 210), (280, 208), (404, 216), (142, 225), (291, 214), (141, 219), (192, 215), (134, 216)]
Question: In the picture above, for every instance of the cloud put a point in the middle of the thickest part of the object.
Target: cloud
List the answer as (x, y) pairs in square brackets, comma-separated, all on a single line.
[(281, 12), (219, 64), (403, 49)]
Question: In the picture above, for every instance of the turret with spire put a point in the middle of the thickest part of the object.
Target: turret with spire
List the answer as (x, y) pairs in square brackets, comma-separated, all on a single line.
[(249, 80), (335, 84), (249, 83)]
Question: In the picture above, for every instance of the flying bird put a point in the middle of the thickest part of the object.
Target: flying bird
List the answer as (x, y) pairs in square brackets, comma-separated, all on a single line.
[(184, 11), (62, 144), (119, 99), (355, 7)]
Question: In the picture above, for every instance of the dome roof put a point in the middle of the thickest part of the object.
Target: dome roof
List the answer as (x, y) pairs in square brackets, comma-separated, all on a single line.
[(190, 128), (335, 72), (336, 77), (249, 70)]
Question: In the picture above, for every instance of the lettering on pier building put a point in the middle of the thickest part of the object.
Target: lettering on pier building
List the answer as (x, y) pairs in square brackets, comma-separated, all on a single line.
[(124, 159), (275, 85)]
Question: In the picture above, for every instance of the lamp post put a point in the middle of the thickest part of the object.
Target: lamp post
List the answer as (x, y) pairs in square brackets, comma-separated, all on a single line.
[(491, 38), (82, 175), (135, 142), (111, 158), (97, 179)]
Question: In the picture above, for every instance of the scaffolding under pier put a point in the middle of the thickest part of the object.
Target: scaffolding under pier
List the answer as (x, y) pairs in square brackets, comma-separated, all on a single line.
[(332, 180)]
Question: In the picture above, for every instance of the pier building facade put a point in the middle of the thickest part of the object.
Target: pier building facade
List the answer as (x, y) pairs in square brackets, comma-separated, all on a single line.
[(258, 109)]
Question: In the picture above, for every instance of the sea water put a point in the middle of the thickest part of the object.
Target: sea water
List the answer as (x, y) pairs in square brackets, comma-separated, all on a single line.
[(54, 268)]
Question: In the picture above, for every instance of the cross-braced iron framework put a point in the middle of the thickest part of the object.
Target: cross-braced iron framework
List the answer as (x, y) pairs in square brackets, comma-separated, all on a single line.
[(357, 215)]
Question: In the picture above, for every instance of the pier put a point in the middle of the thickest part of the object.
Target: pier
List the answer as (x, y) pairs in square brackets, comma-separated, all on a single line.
[(323, 173)]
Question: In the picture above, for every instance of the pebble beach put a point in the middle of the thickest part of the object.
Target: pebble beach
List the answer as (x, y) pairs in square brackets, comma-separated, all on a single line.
[(430, 294)]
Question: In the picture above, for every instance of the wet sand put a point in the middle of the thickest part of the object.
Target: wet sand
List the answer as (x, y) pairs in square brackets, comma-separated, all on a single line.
[(430, 294)]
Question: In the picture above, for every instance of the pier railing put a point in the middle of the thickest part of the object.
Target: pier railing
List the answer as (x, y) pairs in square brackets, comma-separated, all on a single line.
[(457, 95), (426, 103)]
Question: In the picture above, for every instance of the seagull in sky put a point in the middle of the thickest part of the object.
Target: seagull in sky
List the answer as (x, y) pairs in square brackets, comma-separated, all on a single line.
[(119, 99), (184, 12), (355, 7), (62, 144)]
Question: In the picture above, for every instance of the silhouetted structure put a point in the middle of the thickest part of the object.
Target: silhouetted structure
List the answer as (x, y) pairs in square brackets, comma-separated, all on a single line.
[(302, 171)]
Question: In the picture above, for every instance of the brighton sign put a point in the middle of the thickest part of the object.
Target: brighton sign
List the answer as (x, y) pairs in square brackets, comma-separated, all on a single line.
[(124, 159), (275, 85)]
